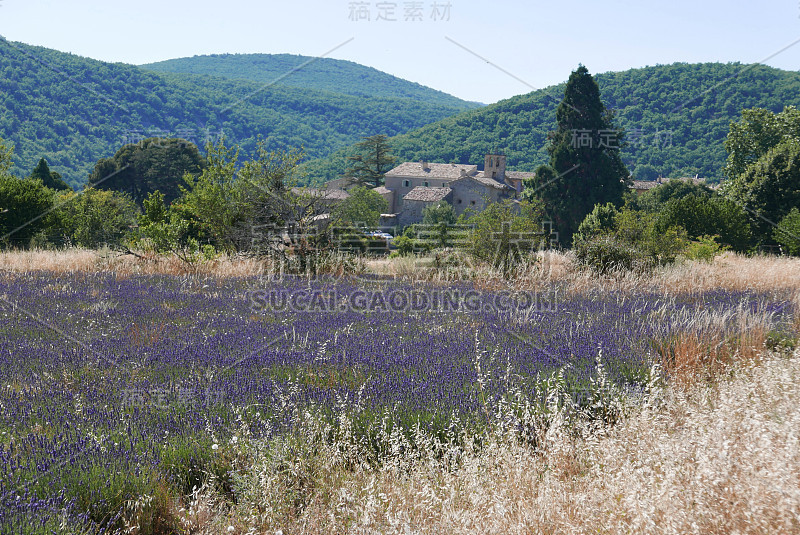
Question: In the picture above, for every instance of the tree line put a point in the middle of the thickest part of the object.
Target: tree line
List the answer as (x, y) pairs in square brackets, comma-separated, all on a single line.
[(164, 196)]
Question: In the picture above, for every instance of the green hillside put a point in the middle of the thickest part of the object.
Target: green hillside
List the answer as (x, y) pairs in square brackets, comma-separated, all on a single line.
[(677, 117), (74, 111), (325, 74)]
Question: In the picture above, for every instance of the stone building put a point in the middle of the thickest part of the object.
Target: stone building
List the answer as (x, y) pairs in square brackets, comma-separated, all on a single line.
[(411, 186)]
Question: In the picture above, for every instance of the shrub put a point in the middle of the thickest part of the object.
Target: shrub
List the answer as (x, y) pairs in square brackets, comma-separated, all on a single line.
[(606, 253), (787, 234), (600, 219), (704, 248)]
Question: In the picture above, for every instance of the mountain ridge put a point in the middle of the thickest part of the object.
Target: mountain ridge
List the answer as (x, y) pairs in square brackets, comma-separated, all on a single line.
[(74, 111), (676, 118)]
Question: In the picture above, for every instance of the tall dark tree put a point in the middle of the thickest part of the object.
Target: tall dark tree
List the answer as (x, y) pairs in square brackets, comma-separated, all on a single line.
[(372, 160), (142, 168), (585, 165), (49, 178)]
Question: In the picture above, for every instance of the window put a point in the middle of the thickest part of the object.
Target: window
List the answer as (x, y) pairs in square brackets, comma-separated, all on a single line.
[(425, 184), (459, 201), (472, 203), (406, 183)]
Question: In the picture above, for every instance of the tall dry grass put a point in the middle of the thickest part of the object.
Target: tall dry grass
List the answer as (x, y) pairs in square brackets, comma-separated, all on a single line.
[(729, 271), (721, 459), (93, 261)]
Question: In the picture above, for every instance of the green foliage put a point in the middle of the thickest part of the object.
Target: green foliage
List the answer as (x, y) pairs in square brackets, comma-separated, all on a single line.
[(755, 133), (704, 248), (164, 230), (671, 124), (654, 199), (709, 216), (227, 209), (600, 220), (142, 168), (92, 218), (322, 74), (210, 203), (506, 232), (371, 162), (769, 187), (363, 208), (580, 176), (404, 244), (24, 205), (50, 179), (435, 214), (788, 232), (76, 110), (637, 241), (605, 254), (6, 157), (645, 171)]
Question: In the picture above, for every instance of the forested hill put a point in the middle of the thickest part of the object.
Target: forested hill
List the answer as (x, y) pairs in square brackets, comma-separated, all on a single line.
[(74, 111), (676, 117), (324, 74)]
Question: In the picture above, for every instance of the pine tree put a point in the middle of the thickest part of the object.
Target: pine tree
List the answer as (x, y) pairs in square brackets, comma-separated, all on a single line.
[(585, 166), (49, 178), (372, 161)]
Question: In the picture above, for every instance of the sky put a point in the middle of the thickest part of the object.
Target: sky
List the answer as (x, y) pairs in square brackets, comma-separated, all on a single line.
[(478, 51)]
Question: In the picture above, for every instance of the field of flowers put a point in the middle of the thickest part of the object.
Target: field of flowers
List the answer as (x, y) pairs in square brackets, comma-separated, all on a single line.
[(116, 387)]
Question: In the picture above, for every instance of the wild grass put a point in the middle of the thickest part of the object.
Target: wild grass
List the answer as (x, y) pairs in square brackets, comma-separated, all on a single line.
[(729, 271), (707, 459), (712, 446)]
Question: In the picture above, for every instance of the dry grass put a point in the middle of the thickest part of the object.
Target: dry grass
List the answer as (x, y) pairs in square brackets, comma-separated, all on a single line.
[(729, 271), (724, 459), (718, 453), (91, 261)]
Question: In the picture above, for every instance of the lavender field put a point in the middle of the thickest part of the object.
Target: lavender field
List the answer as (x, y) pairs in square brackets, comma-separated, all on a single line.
[(115, 387)]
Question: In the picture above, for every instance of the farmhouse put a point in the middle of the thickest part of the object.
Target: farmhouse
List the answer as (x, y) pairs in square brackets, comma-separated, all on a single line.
[(411, 186)]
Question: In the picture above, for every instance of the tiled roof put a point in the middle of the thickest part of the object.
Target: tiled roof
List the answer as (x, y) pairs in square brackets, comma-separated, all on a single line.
[(650, 184), (435, 170), (645, 184), (426, 194), (522, 175), (486, 181), (382, 190), (327, 194)]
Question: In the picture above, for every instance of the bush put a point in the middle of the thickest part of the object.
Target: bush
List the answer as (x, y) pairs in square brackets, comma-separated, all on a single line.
[(708, 216), (92, 218), (787, 234), (504, 232), (23, 203), (704, 249), (600, 219), (607, 253), (634, 241)]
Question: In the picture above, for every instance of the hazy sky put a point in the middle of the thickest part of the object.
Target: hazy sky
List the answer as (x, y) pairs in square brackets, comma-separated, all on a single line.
[(436, 43)]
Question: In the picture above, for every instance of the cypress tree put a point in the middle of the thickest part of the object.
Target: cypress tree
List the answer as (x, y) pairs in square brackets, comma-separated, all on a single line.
[(585, 166)]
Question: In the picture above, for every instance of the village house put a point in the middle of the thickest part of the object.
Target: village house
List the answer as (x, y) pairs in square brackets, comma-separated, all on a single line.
[(412, 186)]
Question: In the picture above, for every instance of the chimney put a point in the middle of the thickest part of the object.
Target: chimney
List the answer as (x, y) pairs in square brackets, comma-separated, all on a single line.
[(463, 172), (425, 166)]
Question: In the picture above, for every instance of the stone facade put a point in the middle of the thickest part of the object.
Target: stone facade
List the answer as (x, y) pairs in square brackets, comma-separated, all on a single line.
[(462, 185), (411, 186)]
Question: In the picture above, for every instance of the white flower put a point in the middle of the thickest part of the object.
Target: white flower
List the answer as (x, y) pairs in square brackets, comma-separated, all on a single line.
[(230, 528), (215, 447)]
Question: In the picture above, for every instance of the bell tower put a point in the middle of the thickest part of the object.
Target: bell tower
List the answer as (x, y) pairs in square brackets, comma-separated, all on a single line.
[(494, 166)]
